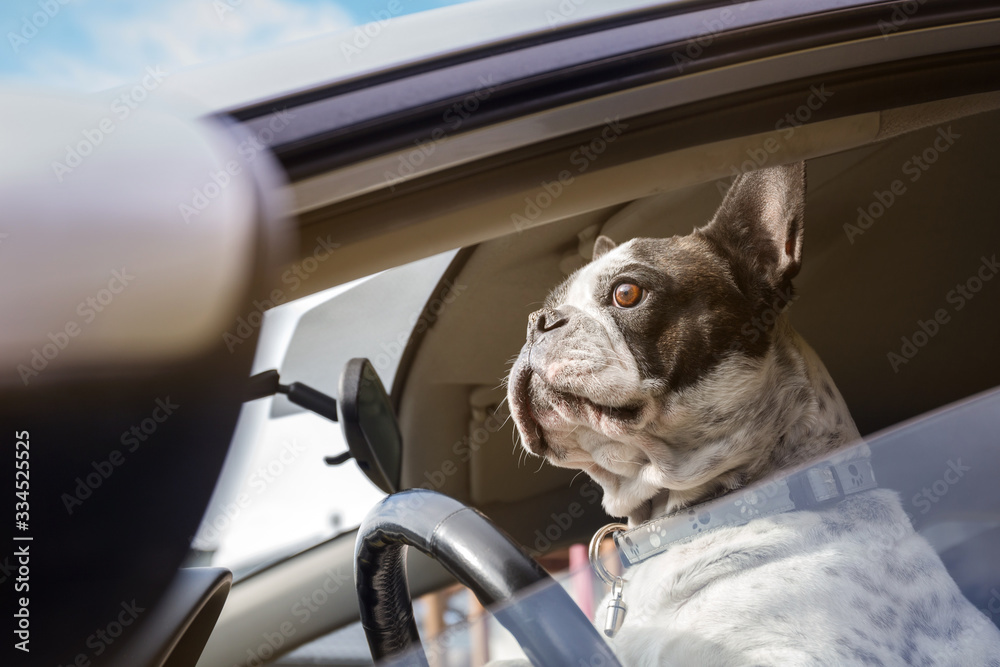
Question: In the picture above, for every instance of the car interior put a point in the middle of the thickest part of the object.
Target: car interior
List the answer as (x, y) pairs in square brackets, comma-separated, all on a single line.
[(857, 295), (878, 261)]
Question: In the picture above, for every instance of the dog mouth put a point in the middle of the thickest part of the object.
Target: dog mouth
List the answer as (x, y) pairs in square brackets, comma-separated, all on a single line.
[(626, 413), (522, 412), (536, 402)]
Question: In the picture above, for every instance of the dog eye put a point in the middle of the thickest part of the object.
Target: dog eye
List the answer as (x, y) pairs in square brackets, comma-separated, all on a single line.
[(628, 295)]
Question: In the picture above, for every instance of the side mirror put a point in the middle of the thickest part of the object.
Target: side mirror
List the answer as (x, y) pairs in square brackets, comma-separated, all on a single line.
[(370, 425)]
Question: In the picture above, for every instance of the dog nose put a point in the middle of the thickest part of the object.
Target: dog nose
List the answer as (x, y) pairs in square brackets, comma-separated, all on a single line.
[(549, 319)]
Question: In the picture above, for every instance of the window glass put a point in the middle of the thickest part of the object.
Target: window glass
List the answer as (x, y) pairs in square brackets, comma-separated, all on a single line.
[(276, 495), (454, 628)]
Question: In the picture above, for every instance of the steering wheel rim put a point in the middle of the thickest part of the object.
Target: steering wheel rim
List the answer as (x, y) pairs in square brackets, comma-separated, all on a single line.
[(552, 631)]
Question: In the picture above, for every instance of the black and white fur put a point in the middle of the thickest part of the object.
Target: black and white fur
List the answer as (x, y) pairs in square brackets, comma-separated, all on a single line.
[(702, 388)]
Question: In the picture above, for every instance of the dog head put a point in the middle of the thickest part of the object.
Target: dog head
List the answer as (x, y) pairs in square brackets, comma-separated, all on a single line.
[(647, 368)]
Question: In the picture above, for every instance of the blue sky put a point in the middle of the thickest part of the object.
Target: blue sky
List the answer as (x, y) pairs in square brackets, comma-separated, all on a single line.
[(90, 45)]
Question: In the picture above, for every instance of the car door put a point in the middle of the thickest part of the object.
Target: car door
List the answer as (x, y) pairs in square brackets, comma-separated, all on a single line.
[(452, 149)]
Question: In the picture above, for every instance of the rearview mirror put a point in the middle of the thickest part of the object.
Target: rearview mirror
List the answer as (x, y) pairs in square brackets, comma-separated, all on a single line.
[(369, 424)]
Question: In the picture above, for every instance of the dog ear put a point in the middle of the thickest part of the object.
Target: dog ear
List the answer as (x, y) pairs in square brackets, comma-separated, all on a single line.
[(602, 245), (759, 223)]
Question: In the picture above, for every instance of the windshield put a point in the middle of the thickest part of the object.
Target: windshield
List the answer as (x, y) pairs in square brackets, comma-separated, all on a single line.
[(276, 496)]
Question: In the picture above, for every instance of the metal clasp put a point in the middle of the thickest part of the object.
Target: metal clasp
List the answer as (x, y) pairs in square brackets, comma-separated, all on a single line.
[(616, 605), (616, 609), (595, 551)]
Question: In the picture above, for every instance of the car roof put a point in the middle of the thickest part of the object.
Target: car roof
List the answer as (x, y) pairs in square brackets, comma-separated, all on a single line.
[(389, 42)]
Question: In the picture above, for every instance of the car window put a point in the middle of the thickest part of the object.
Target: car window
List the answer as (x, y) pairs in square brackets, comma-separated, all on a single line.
[(276, 496), (938, 464)]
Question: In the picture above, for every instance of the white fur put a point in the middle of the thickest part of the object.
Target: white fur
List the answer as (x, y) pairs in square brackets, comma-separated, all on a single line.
[(703, 604)]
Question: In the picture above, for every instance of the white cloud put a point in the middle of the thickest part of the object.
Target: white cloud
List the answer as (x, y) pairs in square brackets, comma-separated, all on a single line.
[(68, 70), (124, 38)]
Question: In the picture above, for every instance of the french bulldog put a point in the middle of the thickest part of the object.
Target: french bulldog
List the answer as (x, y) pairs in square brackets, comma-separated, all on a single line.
[(668, 370)]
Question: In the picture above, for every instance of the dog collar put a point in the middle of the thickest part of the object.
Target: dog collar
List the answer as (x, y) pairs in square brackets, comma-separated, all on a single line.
[(817, 486)]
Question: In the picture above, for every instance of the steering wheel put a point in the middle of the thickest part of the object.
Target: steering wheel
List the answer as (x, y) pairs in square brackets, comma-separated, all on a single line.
[(549, 626)]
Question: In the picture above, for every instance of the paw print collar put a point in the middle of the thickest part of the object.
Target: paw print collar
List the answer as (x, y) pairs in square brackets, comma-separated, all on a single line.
[(817, 486)]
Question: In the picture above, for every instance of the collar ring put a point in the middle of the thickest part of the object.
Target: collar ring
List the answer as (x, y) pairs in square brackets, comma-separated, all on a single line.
[(595, 549)]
